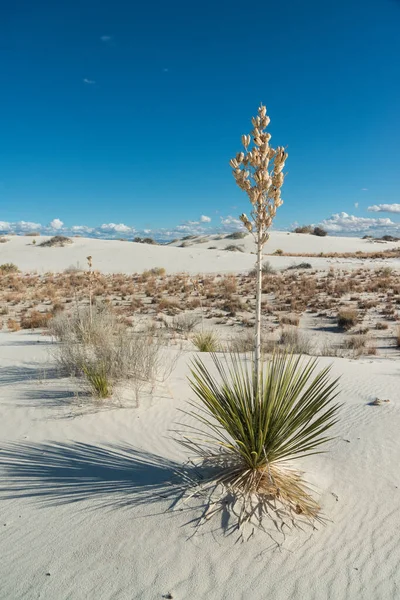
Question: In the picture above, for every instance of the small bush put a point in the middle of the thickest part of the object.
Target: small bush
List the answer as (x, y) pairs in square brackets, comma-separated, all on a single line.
[(294, 341), (278, 252), (303, 229), (13, 325), (318, 231), (398, 336), (290, 320), (3, 240), (56, 241), (32, 234), (206, 341), (303, 265), (95, 345), (7, 268), (236, 235), (347, 318), (381, 325), (35, 320), (233, 248)]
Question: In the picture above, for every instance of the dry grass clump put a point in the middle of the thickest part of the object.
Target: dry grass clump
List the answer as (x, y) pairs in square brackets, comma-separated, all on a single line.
[(303, 229), (295, 341), (381, 326), (35, 320), (206, 341), (13, 325), (290, 320), (3, 240), (357, 343), (96, 346), (7, 268), (347, 318), (236, 235), (234, 248), (56, 241)]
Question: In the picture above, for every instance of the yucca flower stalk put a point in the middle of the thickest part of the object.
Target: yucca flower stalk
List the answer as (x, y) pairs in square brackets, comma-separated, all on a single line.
[(258, 171)]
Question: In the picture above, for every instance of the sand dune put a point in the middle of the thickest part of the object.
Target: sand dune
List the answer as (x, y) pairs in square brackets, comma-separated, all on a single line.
[(113, 256), (81, 517)]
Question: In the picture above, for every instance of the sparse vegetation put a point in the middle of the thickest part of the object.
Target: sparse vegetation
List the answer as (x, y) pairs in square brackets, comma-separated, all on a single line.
[(206, 341), (236, 235), (56, 241), (347, 318), (7, 268), (233, 248)]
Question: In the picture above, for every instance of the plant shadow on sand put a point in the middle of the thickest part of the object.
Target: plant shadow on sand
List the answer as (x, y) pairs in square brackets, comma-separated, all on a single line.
[(114, 476), (118, 477)]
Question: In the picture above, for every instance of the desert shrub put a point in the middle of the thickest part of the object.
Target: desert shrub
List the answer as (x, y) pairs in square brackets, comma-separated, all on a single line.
[(156, 271), (398, 336), (347, 318), (13, 325), (320, 232), (94, 343), (3, 240), (7, 268), (32, 234), (295, 341), (206, 341), (212, 248), (185, 323), (356, 342), (381, 325), (267, 268), (278, 252), (249, 436), (303, 229), (35, 320), (236, 235), (169, 306), (233, 248), (56, 241), (303, 265), (290, 320)]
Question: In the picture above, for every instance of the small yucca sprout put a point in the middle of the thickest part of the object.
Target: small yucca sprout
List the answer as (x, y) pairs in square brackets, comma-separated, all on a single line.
[(259, 173)]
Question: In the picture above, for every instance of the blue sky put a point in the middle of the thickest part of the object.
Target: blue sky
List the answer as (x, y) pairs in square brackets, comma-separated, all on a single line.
[(128, 113)]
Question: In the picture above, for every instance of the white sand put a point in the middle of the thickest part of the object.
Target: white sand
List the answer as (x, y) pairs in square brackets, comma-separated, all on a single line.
[(113, 256), (109, 545)]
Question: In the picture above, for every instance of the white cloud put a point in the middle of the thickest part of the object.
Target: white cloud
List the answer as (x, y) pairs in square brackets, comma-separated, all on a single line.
[(364, 189), (343, 222), (355, 204), (116, 227), (106, 38), (19, 226), (89, 81), (230, 221), (81, 229), (390, 208), (205, 219), (56, 224)]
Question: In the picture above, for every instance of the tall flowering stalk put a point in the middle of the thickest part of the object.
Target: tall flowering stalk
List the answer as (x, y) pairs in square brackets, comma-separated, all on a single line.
[(258, 171)]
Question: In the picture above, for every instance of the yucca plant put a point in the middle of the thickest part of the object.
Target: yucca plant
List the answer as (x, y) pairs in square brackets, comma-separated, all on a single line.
[(252, 419), (248, 438), (98, 379)]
